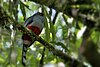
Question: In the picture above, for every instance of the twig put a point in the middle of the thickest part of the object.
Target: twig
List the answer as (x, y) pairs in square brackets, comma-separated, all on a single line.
[(43, 54)]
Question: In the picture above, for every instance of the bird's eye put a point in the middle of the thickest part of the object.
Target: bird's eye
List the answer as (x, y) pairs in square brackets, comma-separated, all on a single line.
[(41, 14)]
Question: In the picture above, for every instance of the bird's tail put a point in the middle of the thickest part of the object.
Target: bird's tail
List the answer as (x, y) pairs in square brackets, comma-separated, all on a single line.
[(24, 54), (26, 42)]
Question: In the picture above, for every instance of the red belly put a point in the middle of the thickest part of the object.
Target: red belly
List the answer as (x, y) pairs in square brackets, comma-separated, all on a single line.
[(35, 29)]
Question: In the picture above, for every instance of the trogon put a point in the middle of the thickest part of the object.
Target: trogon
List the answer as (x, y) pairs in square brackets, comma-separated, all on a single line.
[(34, 23)]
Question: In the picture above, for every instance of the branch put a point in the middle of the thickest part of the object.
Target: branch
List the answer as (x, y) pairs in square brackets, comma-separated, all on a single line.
[(47, 45), (42, 58), (56, 52)]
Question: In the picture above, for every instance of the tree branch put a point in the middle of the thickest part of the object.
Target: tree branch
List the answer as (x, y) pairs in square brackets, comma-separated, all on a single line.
[(42, 58), (47, 45), (56, 52)]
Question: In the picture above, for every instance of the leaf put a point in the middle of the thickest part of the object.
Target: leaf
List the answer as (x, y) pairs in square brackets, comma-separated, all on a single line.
[(46, 13), (15, 12), (52, 29), (10, 7), (78, 43), (1, 60), (65, 18), (26, 6), (23, 10), (47, 31)]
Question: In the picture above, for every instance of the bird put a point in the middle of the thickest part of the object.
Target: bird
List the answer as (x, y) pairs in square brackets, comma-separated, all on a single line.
[(35, 23)]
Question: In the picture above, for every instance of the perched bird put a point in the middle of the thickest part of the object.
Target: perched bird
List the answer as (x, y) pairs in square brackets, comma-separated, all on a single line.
[(34, 23)]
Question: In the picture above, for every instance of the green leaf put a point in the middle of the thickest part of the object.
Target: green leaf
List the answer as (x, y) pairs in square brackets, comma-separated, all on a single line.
[(46, 13), (1, 60), (26, 6), (10, 7), (52, 29), (47, 30), (65, 18), (23, 10)]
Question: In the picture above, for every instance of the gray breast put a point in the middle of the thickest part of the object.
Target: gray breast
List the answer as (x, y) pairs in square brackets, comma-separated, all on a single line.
[(38, 21)]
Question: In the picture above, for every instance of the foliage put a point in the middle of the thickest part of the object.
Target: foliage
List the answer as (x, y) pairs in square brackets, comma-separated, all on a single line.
[(65, 30)]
